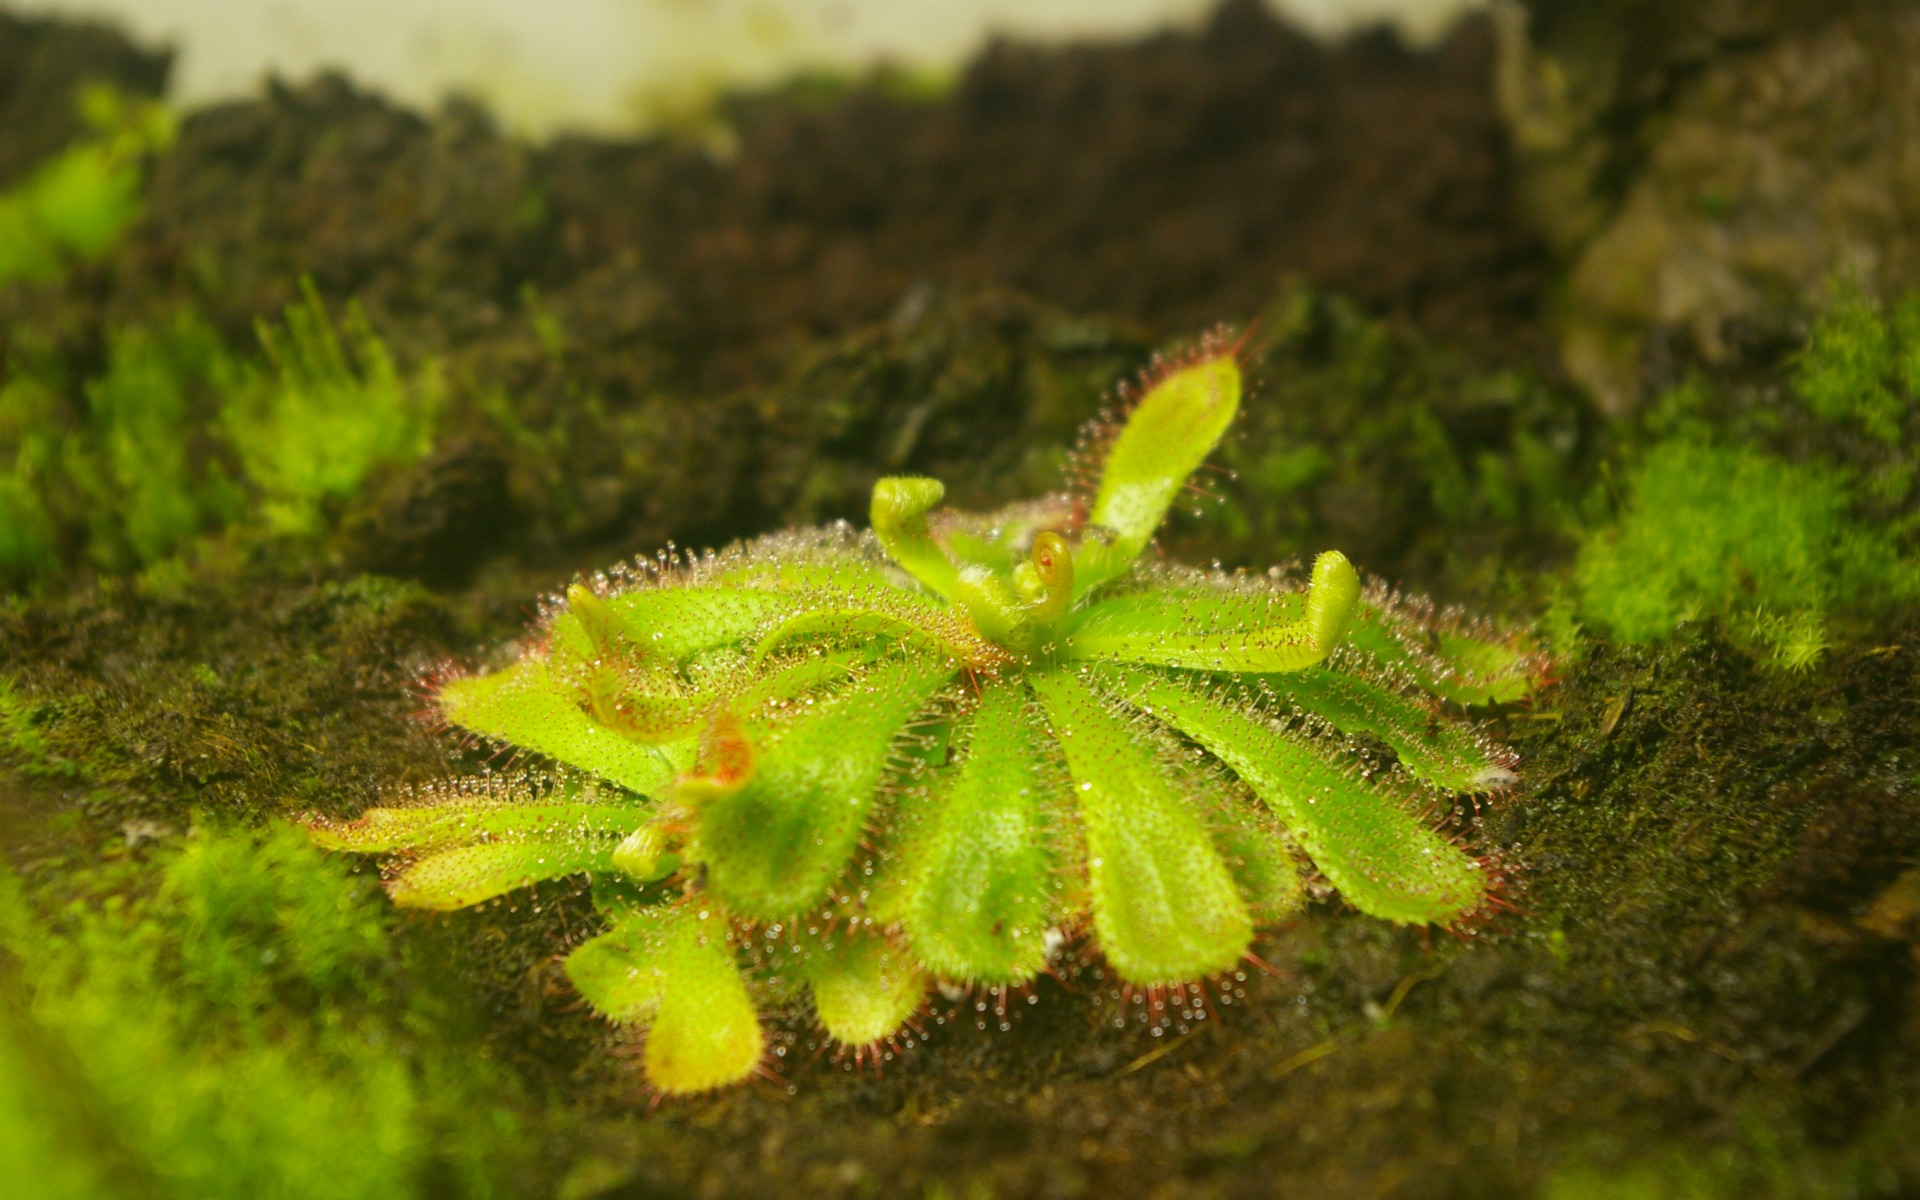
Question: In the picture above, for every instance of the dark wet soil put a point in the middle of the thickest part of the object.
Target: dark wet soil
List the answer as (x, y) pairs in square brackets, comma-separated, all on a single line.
[(1167, 182)]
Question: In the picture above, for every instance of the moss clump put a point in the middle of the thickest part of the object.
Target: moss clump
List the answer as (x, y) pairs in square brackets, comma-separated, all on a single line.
[(21, 737), (334, 408), (74, 206), (178, 438), (143, 470), (1732, 531), (232, 1018), (1862, 367), (1790, 518), (110, 473)]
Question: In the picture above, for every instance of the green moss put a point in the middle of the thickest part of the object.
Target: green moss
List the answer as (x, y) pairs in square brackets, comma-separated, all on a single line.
[(179, 438), (1862, 366), (21, 736), (1732, 531), (29, 450), (117, 472), (1772, 514), (75, 206), (335, 408), (150, 483), (232, 1020)]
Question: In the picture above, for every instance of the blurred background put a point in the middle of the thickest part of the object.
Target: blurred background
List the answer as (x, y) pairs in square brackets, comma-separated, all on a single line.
[(610, 65)]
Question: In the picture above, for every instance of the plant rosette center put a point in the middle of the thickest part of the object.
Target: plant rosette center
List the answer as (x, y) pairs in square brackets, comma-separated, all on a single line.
[(857, 765)]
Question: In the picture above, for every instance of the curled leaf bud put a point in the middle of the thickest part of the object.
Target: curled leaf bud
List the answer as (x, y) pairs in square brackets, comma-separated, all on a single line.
[(899, 515), (1045, 580)]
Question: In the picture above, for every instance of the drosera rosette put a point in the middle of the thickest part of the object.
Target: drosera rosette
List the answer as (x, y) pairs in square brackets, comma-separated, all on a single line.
[(861, 764)]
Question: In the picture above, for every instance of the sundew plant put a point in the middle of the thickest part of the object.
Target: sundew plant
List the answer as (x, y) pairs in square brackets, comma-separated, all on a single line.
[(862, 764)]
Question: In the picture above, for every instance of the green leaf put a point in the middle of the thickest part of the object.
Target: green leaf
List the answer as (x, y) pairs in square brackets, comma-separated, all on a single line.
[(783, 678), (1442, 752), (773, 847), (466, 875), (1384, 860), (764, 604), (525, 706), (882, 612), (979, 869), (1166, 908), (1462, 667), (622, 972), (800, 559), (1255, 850), (705, 1032), (864, 987), (1169, 433), (625, 684), (679, 621), (426, 827), (1236, 631)]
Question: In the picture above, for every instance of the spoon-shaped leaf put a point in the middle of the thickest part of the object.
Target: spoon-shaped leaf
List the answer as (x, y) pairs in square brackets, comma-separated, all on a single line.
[(1165, 907), (1171, 430), (1385, 861), (978, 894)]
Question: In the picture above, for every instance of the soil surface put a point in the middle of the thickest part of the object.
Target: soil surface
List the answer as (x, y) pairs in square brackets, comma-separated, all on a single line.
[(1166, 182)]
